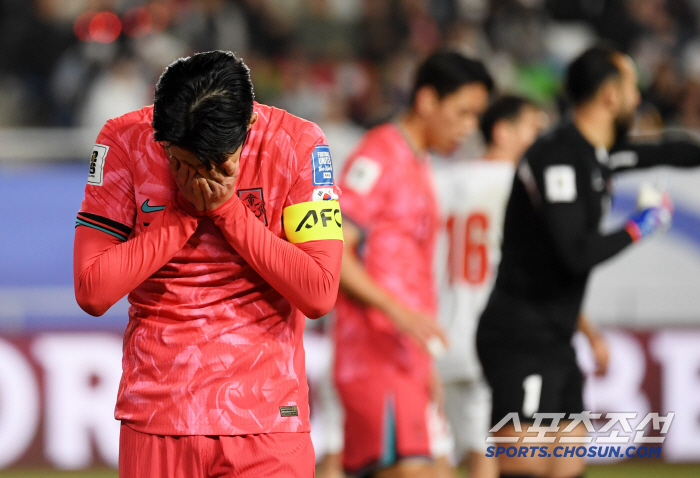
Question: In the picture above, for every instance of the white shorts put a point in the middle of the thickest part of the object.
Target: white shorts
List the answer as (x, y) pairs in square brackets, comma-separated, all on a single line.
[(326, 409), (442, 442), (468, 409), (333, 415)]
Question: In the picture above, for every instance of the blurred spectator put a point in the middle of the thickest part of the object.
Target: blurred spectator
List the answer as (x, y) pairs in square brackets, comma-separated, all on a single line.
[(119, 88), (330, 60)]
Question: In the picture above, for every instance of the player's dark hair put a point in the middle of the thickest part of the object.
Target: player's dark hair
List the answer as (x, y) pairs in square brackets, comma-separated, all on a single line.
[(447, 71), (589, 71), (203, 104), (507, 107)]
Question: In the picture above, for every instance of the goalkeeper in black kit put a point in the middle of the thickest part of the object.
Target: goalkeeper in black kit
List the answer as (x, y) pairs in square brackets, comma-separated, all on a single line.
[(551, 242)]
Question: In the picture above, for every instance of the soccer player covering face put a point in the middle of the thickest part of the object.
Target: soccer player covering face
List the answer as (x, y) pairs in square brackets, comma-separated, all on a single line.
[(551, 242), (472, 195), (219, 217), (386, 312)]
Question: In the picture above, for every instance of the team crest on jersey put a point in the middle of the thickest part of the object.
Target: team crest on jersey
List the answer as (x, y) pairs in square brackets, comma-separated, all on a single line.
[(254, 200)]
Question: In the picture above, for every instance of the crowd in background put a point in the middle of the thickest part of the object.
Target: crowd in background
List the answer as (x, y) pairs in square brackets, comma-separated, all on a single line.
[(79, 62)]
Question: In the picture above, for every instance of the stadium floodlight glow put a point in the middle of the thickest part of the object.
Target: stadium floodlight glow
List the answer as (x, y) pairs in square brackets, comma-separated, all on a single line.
[(138, 22), (105, 27), (160, 16), (81, 26)]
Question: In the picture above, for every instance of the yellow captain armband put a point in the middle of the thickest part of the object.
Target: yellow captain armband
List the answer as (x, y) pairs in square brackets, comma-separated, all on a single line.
[(312, 221)]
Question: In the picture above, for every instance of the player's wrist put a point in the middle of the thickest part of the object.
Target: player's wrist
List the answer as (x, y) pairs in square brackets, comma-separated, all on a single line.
[(185, 206), (391, 308), (644, 223), (633, 230), (224, 207), (594, 336), (653, 219)]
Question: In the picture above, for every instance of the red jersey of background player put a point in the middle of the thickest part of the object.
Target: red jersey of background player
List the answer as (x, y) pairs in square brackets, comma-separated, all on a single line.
[(388, 192), (211, 348)]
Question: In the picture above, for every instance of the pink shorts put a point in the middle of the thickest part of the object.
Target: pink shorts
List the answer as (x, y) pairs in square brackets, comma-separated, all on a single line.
[(142, 455), (385, 422)]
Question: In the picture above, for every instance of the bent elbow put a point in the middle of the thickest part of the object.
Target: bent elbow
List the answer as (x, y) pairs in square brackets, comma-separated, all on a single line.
[(92, 305), (320, 307), (315, 312), (96, 310)]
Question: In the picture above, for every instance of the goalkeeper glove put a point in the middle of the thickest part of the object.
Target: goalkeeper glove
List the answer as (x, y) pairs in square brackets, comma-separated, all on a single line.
[(646, 222)]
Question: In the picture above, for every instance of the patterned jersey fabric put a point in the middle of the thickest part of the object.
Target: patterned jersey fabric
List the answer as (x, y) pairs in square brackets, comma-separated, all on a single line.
[(210, 347)]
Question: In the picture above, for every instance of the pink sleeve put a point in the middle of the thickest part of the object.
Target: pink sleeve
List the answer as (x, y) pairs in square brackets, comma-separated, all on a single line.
[(365, 183), (108, 262), (109, 203), (105, 269), (315, 179), (307, 274)]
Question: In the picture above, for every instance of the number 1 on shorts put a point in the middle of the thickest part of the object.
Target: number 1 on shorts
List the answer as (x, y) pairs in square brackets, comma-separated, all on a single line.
[(533, 388)]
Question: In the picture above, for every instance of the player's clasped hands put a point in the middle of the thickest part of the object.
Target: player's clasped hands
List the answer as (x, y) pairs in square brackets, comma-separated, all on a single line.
[(186, 179), (205, 189), (218, 183)]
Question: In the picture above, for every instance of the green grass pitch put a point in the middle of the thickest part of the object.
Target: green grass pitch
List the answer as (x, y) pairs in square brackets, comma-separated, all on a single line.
[(637, 469)]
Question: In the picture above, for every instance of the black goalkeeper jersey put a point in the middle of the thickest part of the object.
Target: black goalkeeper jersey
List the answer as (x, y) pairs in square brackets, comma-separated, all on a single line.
[(552, 238)]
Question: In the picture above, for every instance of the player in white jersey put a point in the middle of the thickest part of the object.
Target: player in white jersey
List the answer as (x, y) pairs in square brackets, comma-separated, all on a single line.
[(473, 196)]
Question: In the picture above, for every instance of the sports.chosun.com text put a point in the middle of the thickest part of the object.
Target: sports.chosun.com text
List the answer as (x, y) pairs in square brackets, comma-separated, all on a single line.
[(580, 451)]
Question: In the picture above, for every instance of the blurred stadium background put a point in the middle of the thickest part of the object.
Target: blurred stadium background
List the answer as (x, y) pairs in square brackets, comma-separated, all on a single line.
[(68, 65)]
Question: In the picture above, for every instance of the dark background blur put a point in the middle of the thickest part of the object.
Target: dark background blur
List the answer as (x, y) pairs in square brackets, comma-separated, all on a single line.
[(78, 62)]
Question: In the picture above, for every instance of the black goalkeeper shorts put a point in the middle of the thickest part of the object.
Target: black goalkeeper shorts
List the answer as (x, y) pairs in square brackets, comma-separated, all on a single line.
[(540, 380)]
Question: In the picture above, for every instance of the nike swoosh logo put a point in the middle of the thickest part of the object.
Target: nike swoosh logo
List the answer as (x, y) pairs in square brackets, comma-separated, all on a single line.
[(146, 208)]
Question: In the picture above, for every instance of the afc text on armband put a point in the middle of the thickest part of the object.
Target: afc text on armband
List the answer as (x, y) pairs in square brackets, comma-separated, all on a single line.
[(659, 423), (325, 217)]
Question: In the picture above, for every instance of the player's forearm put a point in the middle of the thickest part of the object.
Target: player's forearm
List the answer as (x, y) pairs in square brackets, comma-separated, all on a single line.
[(105, 270), (356, 282), (307, 274), (581, 255), (597, 248), (579, 247), (587, 328)]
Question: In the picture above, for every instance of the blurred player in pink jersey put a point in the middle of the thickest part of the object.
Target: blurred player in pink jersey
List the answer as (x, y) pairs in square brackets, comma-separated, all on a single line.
[(219, 217), (386, 312)]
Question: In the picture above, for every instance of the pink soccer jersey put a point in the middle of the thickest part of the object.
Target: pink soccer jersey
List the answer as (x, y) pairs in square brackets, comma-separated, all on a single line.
[(387, 192), (210, 347)]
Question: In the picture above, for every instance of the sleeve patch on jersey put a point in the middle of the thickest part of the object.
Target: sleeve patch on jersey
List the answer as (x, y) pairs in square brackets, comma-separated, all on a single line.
[(313, 221), (560, 183), (97, 163), (324, 194), (363, 175), (103, 224), (322, 166)]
